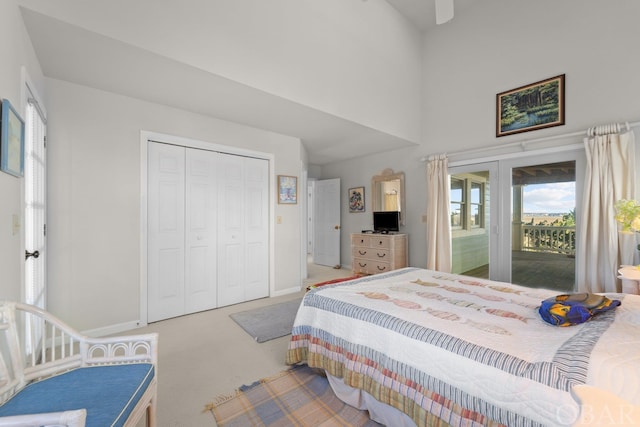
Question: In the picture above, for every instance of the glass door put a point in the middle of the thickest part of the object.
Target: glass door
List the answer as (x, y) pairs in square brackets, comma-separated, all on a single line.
[(473, 226), (541, 219), (515, 219)]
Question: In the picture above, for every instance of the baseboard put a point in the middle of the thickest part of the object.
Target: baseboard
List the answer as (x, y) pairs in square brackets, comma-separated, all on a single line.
[(286, 292), (113, 329)]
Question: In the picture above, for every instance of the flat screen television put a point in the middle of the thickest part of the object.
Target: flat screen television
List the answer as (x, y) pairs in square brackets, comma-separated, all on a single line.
[(385, 222)]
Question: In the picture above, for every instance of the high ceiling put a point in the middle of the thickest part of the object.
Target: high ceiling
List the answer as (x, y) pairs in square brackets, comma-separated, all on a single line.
[(70, 53), (422, 13)]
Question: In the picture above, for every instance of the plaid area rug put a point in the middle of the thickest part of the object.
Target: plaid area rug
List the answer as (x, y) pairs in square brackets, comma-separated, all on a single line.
[(296, 397)]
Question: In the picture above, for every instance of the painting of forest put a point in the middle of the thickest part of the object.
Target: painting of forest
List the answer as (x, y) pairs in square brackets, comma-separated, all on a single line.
[(534, 106)]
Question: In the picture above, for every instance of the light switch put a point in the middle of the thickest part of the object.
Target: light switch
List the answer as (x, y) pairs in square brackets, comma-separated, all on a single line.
[(15, 226)]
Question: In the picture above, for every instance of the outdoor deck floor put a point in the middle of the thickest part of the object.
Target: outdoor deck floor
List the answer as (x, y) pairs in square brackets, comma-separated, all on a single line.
[(537, 270)]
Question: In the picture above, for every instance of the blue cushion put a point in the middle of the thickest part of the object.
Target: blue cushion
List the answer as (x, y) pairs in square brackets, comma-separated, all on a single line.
[(108, 393)]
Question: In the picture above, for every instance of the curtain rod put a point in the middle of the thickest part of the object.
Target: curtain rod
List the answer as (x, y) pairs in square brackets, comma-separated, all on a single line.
[(525, 142), (36, 105)]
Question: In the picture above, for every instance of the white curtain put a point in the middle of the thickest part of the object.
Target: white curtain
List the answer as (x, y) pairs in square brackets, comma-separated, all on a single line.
[(610, 176), (438, 222)]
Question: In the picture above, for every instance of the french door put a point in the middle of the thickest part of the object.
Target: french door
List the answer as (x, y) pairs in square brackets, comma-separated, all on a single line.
[(35, 212), (515, 219)]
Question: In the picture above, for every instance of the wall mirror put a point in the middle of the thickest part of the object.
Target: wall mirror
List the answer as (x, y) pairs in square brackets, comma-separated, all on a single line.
[(387, 190)]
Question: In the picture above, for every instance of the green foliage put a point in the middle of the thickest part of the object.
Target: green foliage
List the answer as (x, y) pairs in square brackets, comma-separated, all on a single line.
[(628, 215)]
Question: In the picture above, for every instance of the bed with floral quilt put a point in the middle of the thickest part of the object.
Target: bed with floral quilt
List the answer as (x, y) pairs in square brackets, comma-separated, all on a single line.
[(445, 349)]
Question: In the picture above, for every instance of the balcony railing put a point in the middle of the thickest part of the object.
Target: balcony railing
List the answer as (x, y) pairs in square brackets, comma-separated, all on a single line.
[(543, 238)]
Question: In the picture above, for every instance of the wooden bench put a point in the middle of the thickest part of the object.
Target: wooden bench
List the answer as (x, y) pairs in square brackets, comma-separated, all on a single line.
[(51, 374)]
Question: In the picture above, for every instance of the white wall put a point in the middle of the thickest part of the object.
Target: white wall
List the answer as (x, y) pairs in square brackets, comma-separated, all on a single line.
[(365, 70), (496, 46), (357, 60), (16, 52), (94, 198), (502, 45)]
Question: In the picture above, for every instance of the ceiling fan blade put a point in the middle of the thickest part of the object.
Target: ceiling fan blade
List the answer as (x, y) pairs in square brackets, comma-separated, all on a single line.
[(444, 11)]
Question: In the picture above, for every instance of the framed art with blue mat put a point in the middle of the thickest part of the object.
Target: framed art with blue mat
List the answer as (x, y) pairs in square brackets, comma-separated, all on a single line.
[(11, 140)]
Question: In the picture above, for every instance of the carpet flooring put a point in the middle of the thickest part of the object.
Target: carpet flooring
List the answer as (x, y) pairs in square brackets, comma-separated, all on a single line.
[(296, 397), (270, 322)]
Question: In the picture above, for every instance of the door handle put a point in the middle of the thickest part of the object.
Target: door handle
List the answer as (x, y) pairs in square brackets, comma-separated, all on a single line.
[(28, 254)]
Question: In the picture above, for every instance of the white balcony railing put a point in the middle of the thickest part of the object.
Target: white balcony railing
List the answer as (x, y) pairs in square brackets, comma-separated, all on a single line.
[(543, 238)]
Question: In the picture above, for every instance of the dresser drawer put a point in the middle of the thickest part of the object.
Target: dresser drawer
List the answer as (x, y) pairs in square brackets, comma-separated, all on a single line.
[(380, 242), (361, 252), (360, 240), (369, 266), (375, 254)]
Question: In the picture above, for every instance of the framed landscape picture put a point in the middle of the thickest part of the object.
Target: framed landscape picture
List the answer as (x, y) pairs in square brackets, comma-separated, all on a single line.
[(356, 199), (534, 106), (287, 189)]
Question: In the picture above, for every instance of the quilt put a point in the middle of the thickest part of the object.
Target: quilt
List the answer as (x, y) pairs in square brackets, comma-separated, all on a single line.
[(464, 351)]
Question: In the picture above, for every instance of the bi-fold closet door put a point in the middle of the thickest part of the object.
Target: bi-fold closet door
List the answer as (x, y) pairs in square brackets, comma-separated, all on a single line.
[(207, 230)]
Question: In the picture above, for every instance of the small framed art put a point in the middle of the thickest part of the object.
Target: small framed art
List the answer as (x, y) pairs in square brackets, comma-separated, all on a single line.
[(356, 199), (11, 140), (531, 107), (287, 190)]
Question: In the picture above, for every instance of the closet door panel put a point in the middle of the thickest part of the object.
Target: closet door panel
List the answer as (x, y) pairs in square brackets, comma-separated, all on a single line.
[(166, 234), (231, 260), (201, 233), (256, 225)]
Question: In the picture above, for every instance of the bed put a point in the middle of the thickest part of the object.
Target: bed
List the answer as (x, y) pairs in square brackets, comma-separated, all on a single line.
[(434, 349)]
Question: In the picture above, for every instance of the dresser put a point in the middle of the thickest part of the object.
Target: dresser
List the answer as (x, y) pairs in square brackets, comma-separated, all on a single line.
[(377, 253)]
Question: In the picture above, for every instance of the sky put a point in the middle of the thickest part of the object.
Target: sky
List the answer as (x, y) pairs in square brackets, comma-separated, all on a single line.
[(549, 198)]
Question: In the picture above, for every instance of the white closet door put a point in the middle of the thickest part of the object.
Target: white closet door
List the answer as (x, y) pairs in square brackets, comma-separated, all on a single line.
[(256, 226), (166, 231), (201, 213), (242, 229)]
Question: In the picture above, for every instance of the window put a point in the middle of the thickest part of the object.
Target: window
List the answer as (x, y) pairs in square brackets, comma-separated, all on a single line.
[(475, 204), (457, 203), (467, 198)]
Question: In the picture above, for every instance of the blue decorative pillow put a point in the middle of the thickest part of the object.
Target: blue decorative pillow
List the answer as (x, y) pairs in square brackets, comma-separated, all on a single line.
[(573, 309)]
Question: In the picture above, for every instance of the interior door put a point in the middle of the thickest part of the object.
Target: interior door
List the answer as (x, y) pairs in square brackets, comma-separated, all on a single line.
[(166, 231), (242, 229), (326, 241), (201, 230), (256, 223)]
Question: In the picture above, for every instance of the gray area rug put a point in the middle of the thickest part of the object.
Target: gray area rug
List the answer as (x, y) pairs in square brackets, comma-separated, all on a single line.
[(270, 322)]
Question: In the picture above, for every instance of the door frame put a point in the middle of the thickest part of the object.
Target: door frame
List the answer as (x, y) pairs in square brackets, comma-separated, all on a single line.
[(145, 137)]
